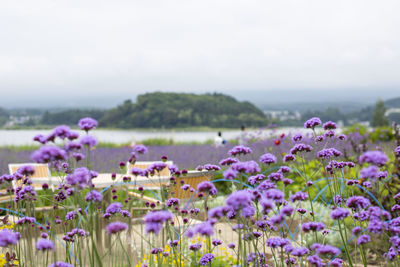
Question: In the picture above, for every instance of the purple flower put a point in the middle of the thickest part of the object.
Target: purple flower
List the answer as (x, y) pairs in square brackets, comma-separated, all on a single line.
[(228, 161), (275, 195), (207, 187), (8, 237), (337, 262), (47, 154), (356, 230), (216, 242), (229, 174), (195, 247), (363, 239), (24, 220), (297, 137), (275, 242), (141, 149), (275, 176), (26, 170), (328, 153), (246, 167), (374, 157), (325, 249), (315, 260), (87, 124), (116, 227), (88, 140), (154, 220), (45, 244), (239, 199), (267, 205), (298, 196), (357, 202), (238, 150), (300, 148), (265, 185), (231, 245), (172, 202), (312, 226), (205, 229), (61, 264), (300, 252), (287, 210), (94, 196), (339, 213), (311, 123), (397, 151), (289, 157), (206, 259), (329, 125), (211, 167), (114, 208), (80, 177), (268, 158)]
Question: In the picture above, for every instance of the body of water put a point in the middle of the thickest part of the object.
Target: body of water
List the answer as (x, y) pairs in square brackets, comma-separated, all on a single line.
[(24, 137)]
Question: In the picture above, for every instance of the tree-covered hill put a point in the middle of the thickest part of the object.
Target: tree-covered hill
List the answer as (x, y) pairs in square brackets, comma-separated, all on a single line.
[(166, 110)]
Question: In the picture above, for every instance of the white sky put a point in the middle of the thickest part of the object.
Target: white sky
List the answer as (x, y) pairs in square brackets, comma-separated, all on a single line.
[(120, 47)]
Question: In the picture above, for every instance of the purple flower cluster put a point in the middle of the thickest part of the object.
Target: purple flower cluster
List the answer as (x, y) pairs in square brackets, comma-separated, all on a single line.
[(45, 244), (207, 187), (154, 220), (373, 157), (312, 123), (240, 150), (116, 227), (87, 124), (47, 154), (8, 237), (268, 158)]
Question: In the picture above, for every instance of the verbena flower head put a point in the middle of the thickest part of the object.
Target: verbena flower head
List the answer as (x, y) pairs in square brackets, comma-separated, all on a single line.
[(26, 170), (357, 202), (300, 251), (206, 259), (47, 154), (397, 151), (114, 208), (275, 195), (329, 125), (61, 264), (45, 244), (8, 237), (195, 247), (87, 124), (24, 220), (94, 196), (172, 202), (300, 148), (275, 242), (315, 260), (363, 239), (207, 187), (239, 150), (246, 167), (205, 229), (80, 177), (328, 153), (340, 213), (268, 158), (298, 196), (116, 227), (256, 179), (325, 249), (373, 157), (289, 157), (313, 226), (228, 161), (89, 140), (229, 174), (239, 199), (312, 123), (297, 137), (141, 149), (154, 220)]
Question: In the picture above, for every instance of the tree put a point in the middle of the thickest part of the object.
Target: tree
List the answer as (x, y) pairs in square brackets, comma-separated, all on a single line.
[(379, 118)]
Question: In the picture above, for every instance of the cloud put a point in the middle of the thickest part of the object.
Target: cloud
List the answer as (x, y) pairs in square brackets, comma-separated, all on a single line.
[(95, 47)]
